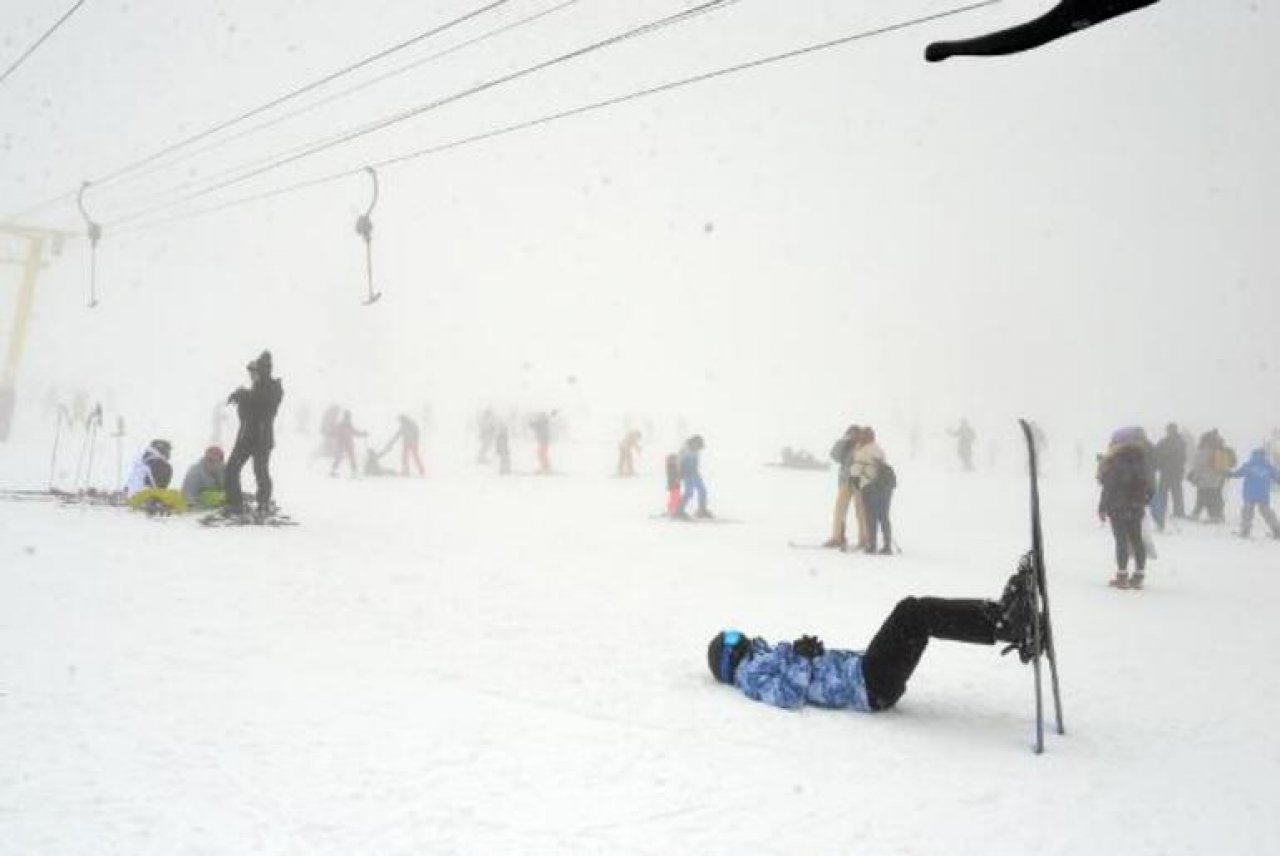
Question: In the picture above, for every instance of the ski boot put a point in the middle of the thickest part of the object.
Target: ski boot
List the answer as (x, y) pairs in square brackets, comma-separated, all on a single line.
[(1136, 581), (704, 514), (1120, 580), (1015, 623), (834, 544)]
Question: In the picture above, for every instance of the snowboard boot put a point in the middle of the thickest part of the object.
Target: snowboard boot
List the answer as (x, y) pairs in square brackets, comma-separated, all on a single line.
[(1017, 609), (1120, 580), (1136, 581)]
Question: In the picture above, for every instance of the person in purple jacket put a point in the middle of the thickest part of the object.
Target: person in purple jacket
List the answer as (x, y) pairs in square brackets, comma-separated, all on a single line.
[(792, 674)]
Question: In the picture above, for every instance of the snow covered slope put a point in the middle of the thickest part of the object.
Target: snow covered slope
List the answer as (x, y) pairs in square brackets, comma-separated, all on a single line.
[(469, 664)]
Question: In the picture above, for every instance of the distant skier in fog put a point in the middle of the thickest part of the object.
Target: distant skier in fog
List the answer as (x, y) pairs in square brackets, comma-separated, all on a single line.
[(965, 436), (1258, 475), (344, 442), (409, 435), (691, 479), (502, 446), (541, 426), (487, 430), (1171, 465), (628, 448)]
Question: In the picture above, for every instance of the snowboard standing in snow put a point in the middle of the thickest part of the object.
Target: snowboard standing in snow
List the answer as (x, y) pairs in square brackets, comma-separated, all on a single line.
[(1037, 593)]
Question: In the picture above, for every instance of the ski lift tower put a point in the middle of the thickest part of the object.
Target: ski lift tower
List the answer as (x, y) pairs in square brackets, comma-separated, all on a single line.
[(25, 247)]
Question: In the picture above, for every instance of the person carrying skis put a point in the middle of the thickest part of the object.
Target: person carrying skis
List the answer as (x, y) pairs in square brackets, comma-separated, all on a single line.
[(691, 478), (256, 406), (1127, 487), (1258, 474), (792, 674), (203, 485)]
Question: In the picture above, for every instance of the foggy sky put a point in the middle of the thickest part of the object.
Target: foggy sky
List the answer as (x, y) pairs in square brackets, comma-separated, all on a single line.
[(1083, 234)]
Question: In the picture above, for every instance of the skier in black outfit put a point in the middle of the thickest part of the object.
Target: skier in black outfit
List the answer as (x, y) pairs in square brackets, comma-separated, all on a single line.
[(1068, 17), (256, 407), (1126, 489)]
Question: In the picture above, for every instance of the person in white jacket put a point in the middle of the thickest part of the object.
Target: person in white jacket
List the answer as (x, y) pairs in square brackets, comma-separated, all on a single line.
[(151, 469)]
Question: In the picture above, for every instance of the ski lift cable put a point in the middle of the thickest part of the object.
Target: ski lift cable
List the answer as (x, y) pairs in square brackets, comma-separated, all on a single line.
[(49, 32), (150, 164), (288, 96), (566, 114), (282, 159), (275, 102), (351, 90)]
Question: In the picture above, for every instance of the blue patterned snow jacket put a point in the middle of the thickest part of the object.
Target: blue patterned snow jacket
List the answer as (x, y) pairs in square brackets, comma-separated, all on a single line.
[(779, 676), (1258, 475)]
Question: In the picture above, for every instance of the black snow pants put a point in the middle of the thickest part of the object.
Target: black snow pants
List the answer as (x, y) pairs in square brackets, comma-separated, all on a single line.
[(896, 649), (242, 452), (1127, 529)]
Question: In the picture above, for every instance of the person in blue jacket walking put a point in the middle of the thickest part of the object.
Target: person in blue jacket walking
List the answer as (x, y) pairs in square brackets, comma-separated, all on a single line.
[(792, 674), (691, 478), (1258, 474)]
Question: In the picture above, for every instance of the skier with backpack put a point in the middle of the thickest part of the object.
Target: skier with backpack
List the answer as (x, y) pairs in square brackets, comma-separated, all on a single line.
[(1127, 486)]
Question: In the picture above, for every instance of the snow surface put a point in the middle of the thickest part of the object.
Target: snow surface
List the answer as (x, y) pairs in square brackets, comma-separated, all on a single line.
[(470, 664)]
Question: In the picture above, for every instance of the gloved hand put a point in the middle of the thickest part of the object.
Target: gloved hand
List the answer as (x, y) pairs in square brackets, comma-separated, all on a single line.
[(809, 647)]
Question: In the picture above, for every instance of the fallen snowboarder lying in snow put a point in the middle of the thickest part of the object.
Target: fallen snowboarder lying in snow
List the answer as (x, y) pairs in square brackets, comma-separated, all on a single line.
[(789, 674)]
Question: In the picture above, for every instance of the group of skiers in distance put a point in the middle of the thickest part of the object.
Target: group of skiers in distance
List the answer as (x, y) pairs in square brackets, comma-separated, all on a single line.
[(1137, 476)]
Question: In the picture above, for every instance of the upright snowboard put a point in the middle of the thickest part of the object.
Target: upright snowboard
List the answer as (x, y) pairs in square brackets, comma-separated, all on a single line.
[(1041, 621)]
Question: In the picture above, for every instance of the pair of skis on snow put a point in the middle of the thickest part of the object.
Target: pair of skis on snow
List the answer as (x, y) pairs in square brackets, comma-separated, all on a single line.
[(1041, 622)]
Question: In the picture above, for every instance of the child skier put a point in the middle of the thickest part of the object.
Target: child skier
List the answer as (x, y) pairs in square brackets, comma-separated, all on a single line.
[(790, 674), (1258, 474), (673, 484)]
